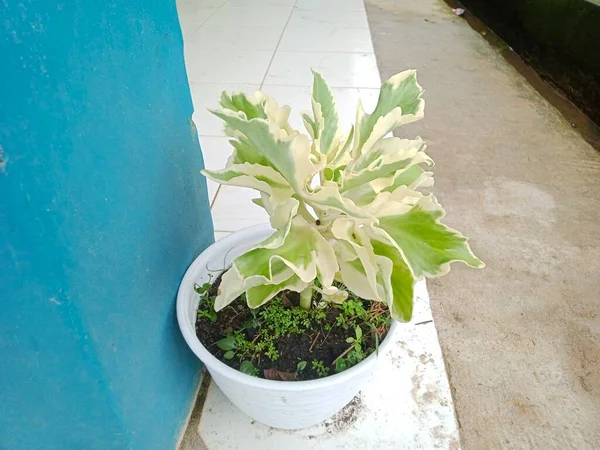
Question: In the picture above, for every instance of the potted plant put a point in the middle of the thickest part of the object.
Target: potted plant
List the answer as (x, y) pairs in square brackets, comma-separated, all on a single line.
[(289, 318)]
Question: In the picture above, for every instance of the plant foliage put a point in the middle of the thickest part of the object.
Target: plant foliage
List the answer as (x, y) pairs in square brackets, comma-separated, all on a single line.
[(344, 203)]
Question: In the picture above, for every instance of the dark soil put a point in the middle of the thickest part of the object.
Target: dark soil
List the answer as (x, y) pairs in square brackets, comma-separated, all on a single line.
[(315, 344), (576, 80)]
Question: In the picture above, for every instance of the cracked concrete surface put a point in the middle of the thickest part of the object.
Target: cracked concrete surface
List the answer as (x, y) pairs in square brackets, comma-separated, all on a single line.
[(521, 338)]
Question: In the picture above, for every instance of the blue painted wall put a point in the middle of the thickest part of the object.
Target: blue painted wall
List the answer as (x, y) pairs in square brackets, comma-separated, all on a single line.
[(102, 208)]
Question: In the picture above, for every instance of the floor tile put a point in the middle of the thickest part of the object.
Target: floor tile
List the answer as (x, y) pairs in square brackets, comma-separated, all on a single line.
[(340, 69), (192, 20), (351, 19), (192, 5), (331, 5), (262, 15), (217, 37), (221, 234), (325, 37), (299, 99), (215, 151), (227, 66), (251, 3), (207, 95), (233, 209)]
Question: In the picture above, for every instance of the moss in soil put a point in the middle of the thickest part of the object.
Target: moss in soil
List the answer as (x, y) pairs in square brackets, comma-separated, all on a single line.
[(282, 341)]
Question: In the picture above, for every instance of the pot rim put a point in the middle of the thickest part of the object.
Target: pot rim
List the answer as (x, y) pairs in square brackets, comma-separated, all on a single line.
[(188, 330)]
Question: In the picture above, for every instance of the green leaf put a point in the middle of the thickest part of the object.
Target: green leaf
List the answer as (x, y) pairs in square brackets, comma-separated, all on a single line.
[(359, 333), (229, 355), (358, 264), (258, 295), (407, 177), (341, 365), (325, 113), (401, 281), (288, 154), (202, 289), (240, 102), (303, 251), (384, 159), (350, 340), (262, 178), (328, 197), (244, 152), (248, 368), (428, 245), (310, 125), (301, 366), (227, 343), (399, 102), (231, 287), (402, 94)]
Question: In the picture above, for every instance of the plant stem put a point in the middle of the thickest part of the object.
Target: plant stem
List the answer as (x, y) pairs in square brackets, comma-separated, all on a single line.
[(306, 298), (343, 354)]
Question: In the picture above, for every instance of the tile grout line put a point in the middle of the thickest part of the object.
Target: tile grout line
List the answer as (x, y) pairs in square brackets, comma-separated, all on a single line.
[(209, 17), (277, 46)]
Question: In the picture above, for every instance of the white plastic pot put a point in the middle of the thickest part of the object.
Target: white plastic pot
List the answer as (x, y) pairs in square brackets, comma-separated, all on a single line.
[(280, 404)]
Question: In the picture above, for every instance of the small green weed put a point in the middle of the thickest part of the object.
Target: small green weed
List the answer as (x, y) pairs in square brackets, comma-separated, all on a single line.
[(254, 344), (206, 307), (320, 368), (354, 354)]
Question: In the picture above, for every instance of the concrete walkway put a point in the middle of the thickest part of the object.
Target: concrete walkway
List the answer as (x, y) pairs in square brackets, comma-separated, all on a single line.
[(521, 339)]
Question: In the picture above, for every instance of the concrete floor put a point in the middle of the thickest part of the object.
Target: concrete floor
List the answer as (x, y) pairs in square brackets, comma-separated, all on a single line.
[(521, 339)]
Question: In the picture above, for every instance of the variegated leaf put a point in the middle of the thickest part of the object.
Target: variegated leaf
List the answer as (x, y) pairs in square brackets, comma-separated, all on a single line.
[(325, 114), (427, 245), (289, 155), (384, 159), (401, 281), (399, 103), (302, 249), (255, 176)]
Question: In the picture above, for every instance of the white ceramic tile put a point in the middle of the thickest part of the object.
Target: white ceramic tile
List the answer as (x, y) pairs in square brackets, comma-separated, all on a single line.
[(326, 37), (261, 15), (233, 209), (191, 21), (221, 235), (351, 19), (298, 98), (331, 5), (207, 95), (252, 3), (227, 66), (340, 69), (217, 37), (215, 151), (406, 405)]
